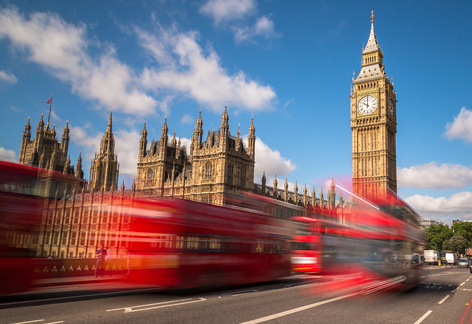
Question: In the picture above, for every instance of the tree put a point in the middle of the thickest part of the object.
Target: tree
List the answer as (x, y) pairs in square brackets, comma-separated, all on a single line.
[(456, 244), (463, 229), (437, 235)]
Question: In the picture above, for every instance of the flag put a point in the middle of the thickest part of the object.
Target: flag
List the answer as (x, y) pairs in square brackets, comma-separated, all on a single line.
[(49, 100)]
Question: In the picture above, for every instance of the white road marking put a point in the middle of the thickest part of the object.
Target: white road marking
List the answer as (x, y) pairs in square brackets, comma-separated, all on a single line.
[(78, 296), (299, 309), (444, 299), (130, 307), (36, 321), (454, 290), (423, 317), (157, 305), (462, 284)]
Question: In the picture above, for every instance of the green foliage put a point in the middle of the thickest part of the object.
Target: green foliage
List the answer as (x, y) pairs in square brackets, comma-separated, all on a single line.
[(437, 235), (456, 244), (463, 229)]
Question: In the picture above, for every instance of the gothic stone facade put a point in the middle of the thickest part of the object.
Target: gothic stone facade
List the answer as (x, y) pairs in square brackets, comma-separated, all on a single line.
[(47, 153), (219, 165)]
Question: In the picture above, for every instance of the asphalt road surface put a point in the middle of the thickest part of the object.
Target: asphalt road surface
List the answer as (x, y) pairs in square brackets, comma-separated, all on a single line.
[(444, 296)]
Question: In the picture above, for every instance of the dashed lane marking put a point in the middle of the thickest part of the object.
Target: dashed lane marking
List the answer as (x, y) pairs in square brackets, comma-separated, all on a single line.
[(138, 308), (36, 321), (443, 300), (423, 317), (299, 309)]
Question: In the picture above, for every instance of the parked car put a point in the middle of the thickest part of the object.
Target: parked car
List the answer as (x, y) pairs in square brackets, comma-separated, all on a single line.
[(463, 263)]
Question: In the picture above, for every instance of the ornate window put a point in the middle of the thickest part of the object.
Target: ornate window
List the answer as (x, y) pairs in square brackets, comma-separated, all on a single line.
[(150, 175), (230, 174), (243, 177), (208, 170)]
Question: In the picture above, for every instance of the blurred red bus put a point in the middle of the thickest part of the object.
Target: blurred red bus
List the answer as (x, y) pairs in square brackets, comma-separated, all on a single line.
[(179, 243), (22, 192), (378, 246)]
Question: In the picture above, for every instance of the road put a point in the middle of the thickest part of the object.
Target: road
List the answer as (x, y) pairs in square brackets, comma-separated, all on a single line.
[(444, 296)]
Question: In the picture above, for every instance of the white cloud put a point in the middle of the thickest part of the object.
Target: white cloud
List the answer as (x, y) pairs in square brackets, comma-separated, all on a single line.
[(62, 49), (8, 155), (187, 119), (269, 160), (228, 10), (183, 68), (91, 144), (264, 27), (435, 176), (9, 78), (457, 206), (126, 146), (461, 127), (187, 69)]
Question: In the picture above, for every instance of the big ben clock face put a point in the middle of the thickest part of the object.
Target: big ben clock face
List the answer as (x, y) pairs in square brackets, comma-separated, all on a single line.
[(367, 105), (391, 108)]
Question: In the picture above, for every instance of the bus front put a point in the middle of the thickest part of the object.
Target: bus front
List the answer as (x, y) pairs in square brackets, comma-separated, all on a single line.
[(306, 247)]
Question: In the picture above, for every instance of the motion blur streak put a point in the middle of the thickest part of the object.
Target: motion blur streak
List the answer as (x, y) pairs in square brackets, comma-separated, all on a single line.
[(171, 243), (374, 248)]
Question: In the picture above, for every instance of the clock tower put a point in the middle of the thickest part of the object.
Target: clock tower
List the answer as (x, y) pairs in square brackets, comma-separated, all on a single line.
[(373, 125)]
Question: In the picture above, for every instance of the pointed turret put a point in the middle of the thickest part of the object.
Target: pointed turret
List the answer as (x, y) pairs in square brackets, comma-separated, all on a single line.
[(41, 123), (276, 192), (313, 197), (143, 141), (305, 195), (163, 140), (24, 143), (79, 173), (286, 190), (53, 131), (66, 166), (153, 148), (321, 198), (251, 140), (263, 183), (174, 140), (65, 139), (224, 129), (198, 133), (295, 193)]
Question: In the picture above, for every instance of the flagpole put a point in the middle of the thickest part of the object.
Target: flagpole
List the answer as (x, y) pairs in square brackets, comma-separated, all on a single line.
[(50, 106)]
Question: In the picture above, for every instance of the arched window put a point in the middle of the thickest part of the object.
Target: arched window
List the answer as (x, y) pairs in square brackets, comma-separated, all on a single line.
[(230, 174), (208, 170), (150, 175), (243, 177)]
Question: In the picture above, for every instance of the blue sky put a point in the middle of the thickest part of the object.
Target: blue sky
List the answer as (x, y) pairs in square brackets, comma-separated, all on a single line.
[(288, 64)]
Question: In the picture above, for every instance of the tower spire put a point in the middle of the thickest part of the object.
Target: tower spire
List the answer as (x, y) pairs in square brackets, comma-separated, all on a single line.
[(372, 44)]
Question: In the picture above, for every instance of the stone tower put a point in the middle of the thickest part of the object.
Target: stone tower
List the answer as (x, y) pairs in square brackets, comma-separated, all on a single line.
[(104, 169), (373, 124), (45, 151)]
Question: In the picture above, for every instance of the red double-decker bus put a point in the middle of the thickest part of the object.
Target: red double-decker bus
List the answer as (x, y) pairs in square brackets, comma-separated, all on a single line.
[(179, 243), (380, 248)]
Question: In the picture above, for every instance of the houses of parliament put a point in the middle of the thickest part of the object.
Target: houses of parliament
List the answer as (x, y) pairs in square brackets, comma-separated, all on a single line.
[(86, 214)]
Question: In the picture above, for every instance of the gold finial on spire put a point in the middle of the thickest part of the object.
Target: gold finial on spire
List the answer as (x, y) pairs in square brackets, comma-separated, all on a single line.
[(372, 17)]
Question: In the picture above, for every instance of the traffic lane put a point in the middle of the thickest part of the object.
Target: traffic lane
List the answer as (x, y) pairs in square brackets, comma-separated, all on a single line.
[(75, 306), (421, 305), (237, 306)]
